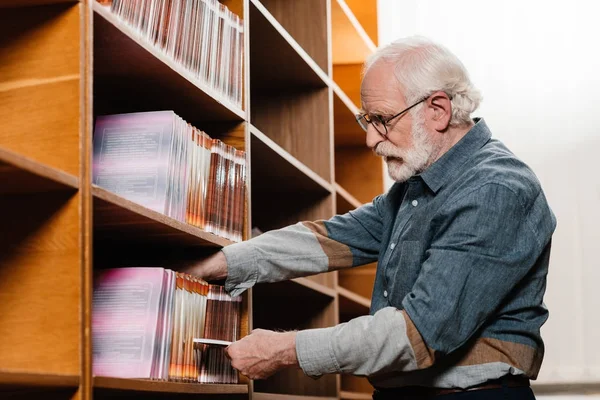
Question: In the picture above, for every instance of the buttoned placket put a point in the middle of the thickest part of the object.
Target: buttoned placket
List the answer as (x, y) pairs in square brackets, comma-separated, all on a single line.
[(408, 207)]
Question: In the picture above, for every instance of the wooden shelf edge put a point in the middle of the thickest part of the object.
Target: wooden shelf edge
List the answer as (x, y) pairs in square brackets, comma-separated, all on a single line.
[(291, 159), (354, 109), (146, 385), (16, 379), (30, 3), (327, 291), (278, 396), (350, 295), (291, 41), (105, 13), (347, 196), (36, 168), (355, 396), (359, 29), (117, 200)]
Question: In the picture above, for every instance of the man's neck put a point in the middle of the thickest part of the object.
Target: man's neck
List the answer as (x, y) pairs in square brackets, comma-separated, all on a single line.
[(452, 136)]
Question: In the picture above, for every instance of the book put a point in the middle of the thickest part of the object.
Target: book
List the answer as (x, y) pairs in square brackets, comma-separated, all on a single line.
[(155, 323)]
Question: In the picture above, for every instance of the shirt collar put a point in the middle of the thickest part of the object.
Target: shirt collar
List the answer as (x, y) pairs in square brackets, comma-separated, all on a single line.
[(448, 164)]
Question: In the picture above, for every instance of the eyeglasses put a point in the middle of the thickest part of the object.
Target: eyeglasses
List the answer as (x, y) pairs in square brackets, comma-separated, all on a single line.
[(379, 123)]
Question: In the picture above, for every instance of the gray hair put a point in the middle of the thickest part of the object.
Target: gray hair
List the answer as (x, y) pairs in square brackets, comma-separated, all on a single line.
[(423, 67)]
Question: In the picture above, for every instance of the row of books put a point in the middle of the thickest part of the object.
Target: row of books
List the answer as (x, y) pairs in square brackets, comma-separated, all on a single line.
[(155, 323), (158, 160), (202, 36)]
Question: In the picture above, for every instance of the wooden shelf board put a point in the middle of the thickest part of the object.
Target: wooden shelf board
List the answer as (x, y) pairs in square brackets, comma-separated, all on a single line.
[(145, 385), (122, 85), (283, 171), (118, 218), (19, 174), (350, 42), (296, 288), (277, 59), (16, 380), (347, 196), (277, 396), (355, 396)]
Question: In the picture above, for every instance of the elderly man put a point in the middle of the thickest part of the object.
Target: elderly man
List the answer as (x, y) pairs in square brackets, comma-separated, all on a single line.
[(462, 241)]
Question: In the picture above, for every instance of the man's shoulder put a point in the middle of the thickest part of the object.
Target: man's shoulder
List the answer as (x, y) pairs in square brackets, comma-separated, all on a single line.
[(495, 165)]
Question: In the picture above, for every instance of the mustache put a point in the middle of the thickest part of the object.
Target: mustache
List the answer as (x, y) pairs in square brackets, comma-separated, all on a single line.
[(383, 150)]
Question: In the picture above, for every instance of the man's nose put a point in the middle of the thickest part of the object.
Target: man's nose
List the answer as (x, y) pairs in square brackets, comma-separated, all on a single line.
[(373, 137)]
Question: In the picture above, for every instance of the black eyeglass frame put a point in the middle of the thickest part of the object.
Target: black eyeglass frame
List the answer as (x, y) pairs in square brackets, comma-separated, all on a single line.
[(382, 121)]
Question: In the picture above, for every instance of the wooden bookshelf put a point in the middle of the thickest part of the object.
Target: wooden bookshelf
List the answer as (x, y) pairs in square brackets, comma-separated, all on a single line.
[(62, 64), (145, 385)]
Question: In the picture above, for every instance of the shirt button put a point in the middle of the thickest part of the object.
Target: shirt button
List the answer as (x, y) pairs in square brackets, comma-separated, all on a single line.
[(385, 293), (415, 203), (392, 245)]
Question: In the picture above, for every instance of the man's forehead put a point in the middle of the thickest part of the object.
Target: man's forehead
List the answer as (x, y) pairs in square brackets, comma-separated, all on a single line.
[(380, 86)]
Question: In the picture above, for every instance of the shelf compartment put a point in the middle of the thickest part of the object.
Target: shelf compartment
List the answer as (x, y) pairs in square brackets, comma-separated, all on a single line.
[(346, 130), (355, 396), (120, 85), (350, 42), (356, 385), (276, 59), (292, 15), (279, 178), (40, 284), (15, 380), (359, 171), (352, 305), (358, 280), (299, 122), (146, 385), (345, 201), (40, 84), (118, 219), (365, 12), (19, 174), (293, 305)]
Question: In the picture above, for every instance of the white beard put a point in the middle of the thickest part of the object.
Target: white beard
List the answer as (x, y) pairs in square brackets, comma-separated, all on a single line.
[(403, 164)]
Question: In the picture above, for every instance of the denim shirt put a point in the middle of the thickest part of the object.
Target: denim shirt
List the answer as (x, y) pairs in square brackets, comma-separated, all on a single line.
[(462, 250)]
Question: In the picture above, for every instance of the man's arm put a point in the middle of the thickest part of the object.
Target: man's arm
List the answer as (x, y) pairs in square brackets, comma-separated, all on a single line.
[(303, 249), (481, 252)]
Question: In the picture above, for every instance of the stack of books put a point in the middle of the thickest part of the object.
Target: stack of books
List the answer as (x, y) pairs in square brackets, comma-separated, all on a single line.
[(158, 160), (202, 36), (155, 323)]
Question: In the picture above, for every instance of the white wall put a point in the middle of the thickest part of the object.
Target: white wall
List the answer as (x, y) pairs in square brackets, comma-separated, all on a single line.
[(537, 64)]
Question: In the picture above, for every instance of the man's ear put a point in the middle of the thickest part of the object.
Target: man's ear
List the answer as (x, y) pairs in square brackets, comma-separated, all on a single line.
[(439, 111)]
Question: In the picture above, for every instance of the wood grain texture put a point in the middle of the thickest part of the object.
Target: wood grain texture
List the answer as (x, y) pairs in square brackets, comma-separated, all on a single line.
[(299, 123), (39, 84), (40, 284), (293, 16), (19, 174), (358, 280), (350, 42), (160, 85), (143, 385), (118, 219), (346, 104), (359, 171), (272, 396), (276, 60)]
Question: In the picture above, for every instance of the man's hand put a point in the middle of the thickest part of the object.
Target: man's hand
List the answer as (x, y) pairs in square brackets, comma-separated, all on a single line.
[(262, 353), (210, 268)]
